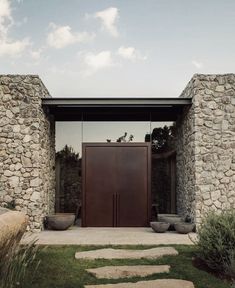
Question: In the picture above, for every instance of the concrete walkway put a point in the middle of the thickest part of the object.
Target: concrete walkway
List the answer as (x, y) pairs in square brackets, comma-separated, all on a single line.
[(108, 236)]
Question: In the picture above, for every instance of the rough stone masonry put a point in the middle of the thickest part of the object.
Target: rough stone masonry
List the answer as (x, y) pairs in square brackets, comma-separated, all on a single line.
[(205, 147), (26, 148)]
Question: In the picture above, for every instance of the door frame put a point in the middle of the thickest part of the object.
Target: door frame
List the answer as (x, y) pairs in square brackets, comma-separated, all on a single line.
[(115, 144)]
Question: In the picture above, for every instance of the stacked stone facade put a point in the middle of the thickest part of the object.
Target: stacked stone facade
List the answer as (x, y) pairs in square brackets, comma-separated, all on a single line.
[(27, 148), (206, 147), (185, 164)]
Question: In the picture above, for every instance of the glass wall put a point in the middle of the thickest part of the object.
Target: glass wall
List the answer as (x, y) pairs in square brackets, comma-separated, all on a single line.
[(68, 167), (115, 131), (163, 138), (73, 134), (70, 136)]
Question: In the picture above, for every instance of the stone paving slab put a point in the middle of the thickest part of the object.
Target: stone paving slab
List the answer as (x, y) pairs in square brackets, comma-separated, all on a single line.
[(116, 272), (160, 283), (110, 253), (108, 236)]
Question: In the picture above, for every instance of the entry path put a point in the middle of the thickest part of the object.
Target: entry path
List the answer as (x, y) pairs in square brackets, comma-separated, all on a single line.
[(108, 236), (110, 253), (116, 272), (161, 283)]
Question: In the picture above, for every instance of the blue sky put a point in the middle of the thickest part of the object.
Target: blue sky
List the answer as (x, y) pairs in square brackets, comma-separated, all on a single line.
[(117, 48)]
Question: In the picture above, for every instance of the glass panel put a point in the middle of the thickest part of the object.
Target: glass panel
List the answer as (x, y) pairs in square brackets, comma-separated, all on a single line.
[(163, 138), (68, 167), (115, 131), (69, 133)]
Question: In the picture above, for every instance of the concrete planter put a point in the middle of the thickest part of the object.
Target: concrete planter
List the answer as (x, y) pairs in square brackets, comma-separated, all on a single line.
[(160, 227), (170, 218), (184, 228), (60, 221)]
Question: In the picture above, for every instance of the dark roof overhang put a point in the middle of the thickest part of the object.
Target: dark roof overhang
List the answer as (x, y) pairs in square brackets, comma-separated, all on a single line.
[(116, 108)]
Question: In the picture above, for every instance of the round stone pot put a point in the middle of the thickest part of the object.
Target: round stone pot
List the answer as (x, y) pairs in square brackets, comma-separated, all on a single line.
[(170, 218), (60, 221), (160, 227), (184, 228)]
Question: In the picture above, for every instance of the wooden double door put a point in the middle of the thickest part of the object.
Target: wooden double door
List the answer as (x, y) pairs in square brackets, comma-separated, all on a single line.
[(116, 184)]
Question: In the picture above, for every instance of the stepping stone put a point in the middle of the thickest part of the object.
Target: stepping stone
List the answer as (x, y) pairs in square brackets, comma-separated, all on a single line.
[(160, 283), (115, 272), (110, 253)]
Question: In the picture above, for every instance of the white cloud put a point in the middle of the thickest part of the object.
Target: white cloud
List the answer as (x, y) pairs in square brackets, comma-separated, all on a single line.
[(13, 48), (62, 36), (197, 64), (5, 9), (130, 53), (5, 17), (109, 18), (36, 54), (99, 61), (8, 46)]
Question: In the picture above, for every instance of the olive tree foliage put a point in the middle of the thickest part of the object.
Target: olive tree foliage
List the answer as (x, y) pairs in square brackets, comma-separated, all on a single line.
[(162, 138), (67, 153)]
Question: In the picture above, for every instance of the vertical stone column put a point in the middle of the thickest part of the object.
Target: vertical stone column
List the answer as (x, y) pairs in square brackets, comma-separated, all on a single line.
[(27, 148), (185, 159), (213, 142)]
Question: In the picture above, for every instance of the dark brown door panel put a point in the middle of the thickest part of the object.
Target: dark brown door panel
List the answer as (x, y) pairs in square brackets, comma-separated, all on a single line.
[(116, 184), (99, 180), (132, 188)]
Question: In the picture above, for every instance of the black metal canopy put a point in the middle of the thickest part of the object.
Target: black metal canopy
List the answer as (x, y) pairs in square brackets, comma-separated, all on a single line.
[(116, 108)]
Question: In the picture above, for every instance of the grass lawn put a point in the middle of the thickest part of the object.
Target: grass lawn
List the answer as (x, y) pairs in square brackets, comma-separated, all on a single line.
[(58, 268)]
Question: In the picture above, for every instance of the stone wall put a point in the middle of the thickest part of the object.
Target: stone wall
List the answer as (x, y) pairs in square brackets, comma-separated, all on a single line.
[(26, 148), (185, 164), (206, 148)]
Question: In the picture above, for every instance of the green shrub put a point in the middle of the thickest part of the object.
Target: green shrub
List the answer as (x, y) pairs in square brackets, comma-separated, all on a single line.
[(14, 262), (216, 241)]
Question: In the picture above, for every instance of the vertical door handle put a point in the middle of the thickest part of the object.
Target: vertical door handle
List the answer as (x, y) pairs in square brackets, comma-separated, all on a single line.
[(113, 210), (117, 208)]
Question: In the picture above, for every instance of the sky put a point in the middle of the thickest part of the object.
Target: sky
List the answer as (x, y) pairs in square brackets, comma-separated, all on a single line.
[(88, 48)]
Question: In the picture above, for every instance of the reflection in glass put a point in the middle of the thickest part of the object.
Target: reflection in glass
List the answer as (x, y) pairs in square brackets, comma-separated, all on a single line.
[(115, 131), (71, 135), (163, 139), (68, 167)]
